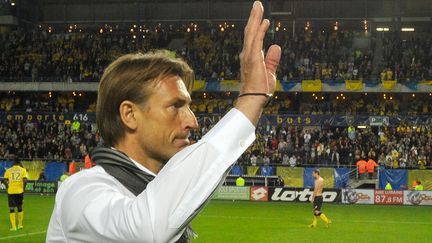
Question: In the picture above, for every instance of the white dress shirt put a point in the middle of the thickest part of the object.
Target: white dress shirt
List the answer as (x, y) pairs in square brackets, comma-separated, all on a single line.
[(92, 206)]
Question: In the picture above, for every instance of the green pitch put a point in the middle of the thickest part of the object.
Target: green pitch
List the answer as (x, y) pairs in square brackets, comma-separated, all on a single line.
[(226, 221), (37, 213)]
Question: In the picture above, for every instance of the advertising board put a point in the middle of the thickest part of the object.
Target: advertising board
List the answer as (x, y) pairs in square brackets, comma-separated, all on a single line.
[(389, 197), (358, 196), (232, 193)]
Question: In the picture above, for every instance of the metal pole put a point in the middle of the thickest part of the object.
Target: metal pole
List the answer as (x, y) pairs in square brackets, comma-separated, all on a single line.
[(293, 14), (273, 29), (293, 29), (378, 176)]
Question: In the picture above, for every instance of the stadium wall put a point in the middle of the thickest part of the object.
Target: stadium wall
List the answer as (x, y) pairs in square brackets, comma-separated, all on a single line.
[(345, 196), (371, 86), (291, 120), (294, 177)]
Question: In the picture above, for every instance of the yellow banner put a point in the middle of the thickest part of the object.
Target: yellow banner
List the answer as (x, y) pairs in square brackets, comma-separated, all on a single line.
[(292, 176), (312, 85), (425, 82), (354, 85), (425, 176), (34, 169), (389, 84), (252, 170), (328, 175), (199, 85)]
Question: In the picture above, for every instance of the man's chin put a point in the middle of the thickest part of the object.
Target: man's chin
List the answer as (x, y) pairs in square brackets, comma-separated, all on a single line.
[(181, 143), (174, 152)]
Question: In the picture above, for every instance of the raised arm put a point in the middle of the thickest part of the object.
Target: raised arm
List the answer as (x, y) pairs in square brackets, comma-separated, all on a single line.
[(180, 189)]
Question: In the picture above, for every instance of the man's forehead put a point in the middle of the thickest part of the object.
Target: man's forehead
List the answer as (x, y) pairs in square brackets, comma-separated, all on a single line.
[(173, 83)]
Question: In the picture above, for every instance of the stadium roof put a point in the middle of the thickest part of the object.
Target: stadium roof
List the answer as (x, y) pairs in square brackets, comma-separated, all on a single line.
[(100, 11)]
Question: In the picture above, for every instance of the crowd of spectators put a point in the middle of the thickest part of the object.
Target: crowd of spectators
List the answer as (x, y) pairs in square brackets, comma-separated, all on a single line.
[(403, 146), (46, 55), (46, 140), (213, 55), (395, 147), (406, 59), (71, 54), (76, 55), (326, 55)]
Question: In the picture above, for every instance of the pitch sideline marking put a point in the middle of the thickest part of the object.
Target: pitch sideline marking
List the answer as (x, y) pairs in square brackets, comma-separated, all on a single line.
[(22, 235), (352, 221)]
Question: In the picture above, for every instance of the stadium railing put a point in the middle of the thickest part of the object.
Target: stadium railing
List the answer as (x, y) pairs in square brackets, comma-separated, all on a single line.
[(257, 180)]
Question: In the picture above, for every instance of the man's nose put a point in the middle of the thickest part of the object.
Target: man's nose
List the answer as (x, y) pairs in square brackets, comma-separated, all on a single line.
[(191, 121)]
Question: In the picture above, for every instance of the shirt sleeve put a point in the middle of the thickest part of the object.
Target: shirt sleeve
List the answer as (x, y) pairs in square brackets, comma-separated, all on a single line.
[(160, 212)]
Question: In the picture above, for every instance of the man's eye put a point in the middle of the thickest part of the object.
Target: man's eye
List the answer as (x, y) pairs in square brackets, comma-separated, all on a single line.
[(174, 108), (178, 105)]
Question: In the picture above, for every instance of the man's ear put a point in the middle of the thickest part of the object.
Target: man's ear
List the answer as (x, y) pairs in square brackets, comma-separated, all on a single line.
[(128, 111)]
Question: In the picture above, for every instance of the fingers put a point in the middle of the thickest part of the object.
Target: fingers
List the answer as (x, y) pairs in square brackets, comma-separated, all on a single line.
[(259, 39), (272, 58), (253, 24)]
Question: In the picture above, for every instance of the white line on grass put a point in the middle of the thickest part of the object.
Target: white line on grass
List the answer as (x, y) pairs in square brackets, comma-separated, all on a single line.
[(387, 222), (349, 221), (22, 235)]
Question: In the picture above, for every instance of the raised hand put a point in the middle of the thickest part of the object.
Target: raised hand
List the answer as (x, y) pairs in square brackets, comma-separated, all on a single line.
[(258, 74)]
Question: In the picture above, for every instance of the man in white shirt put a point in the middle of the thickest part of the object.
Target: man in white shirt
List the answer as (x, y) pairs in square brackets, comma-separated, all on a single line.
[(148, 183), (293, 161), (282, 146), (285, 159), (253, 160), (307, 137)]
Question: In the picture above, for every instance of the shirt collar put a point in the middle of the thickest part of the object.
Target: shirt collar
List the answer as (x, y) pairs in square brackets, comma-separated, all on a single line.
[(140, 166)]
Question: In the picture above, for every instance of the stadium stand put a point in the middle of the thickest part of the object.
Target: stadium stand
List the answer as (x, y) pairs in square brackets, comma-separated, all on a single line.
[(407, 59), (65, 53), (82, 55), (402, 145)]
